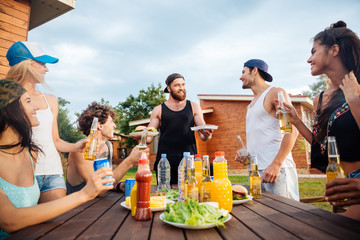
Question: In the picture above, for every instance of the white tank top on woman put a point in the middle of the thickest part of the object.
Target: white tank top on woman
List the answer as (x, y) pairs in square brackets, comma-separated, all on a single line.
[(263, 134), (48, 161)]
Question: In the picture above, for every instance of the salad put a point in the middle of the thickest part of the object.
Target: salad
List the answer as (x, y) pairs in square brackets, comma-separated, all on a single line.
[(193, 213), (169, 194)]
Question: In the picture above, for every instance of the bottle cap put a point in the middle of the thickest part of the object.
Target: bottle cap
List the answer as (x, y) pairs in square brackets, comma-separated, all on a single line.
[(198, 155), (219, 154), (186, 154), (163, 155)]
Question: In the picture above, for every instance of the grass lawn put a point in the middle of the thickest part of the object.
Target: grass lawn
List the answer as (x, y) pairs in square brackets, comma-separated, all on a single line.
[(308, 187)]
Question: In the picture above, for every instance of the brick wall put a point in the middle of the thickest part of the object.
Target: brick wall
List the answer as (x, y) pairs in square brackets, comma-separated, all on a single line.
[(14, 26), (230, 116)]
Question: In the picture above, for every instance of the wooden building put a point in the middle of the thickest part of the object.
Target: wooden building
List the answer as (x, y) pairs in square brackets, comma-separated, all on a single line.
[(228, 112), (18, 17)]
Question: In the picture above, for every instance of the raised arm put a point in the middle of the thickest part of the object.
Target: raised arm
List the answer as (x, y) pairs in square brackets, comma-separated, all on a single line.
[(351, 89), (155, 120), (60, 144)]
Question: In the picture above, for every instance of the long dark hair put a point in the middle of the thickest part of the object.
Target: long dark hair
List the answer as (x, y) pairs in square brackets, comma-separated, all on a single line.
[(13, 115), (349, 52)]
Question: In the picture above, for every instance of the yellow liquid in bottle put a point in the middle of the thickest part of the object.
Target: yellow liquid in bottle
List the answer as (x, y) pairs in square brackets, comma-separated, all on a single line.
[(285, 122), (90, 148), (191, 187), (205, 192), (334, 169), (198, 171), (255, 182), (221, 190)]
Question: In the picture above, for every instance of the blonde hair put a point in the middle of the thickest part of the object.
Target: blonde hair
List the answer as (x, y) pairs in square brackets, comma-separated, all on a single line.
[(23, 72)]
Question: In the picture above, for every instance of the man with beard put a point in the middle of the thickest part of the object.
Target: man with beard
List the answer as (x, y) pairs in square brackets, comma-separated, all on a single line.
[(264, 139), (174, 118)]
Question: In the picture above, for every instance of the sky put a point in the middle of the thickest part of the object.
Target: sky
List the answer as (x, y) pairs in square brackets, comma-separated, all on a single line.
[(113, 48)]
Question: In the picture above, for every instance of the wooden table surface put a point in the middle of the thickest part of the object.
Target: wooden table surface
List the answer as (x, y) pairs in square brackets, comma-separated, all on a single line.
[(271, 217)]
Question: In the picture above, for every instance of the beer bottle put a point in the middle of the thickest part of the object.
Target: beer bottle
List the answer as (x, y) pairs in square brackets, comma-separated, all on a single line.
[(255, 179), (191, 186), (205, 184), (334, 169), (90, 148), (284, 116)]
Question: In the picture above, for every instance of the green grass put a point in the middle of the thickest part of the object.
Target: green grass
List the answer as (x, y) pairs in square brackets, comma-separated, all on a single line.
[(308, 187)]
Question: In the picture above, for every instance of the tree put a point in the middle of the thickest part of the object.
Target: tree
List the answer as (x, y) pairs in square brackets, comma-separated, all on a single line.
[(135, 108), (317, 87), (67, 131)]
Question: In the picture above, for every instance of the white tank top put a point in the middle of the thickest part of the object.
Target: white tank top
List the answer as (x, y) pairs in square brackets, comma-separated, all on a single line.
[(263, 134), (48, 161)]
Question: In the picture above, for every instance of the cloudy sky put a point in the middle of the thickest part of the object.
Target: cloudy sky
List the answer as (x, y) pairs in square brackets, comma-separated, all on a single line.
[(113, 48)]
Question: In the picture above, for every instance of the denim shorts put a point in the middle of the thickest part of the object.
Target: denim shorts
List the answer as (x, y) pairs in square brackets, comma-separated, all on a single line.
[(286, 184), (50, 182), (354, 174)]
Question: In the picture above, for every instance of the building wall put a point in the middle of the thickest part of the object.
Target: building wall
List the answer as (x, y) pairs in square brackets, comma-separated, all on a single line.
[(230, 116), (14, 26)]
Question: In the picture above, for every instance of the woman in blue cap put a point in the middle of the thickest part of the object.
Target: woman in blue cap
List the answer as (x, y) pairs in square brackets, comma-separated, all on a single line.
[(28, 68), (19, 191)]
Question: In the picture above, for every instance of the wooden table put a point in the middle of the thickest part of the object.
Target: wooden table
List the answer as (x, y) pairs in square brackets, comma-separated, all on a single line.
[(271, 217)]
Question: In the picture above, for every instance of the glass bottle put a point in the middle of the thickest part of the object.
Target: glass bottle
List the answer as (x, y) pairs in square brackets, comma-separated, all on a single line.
[(255, 179), (221, 191), (205, 185), (91, 145), (182, 173), (284, 115), (334, 169), (191, 185), (245, 155)]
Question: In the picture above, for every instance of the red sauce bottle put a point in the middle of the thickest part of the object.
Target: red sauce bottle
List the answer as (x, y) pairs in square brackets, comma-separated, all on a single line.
[(143, 179)]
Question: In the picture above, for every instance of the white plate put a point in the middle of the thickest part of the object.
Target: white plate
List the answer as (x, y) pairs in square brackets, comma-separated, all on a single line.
[(204, 127), (182, 225), (156, 209), (138, 134), (236, 202)]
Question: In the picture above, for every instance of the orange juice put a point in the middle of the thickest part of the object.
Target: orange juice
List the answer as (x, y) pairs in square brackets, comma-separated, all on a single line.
[(221, 191), (198, 168)]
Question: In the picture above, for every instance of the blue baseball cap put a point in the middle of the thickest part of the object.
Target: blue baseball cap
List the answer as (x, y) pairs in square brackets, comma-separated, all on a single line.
[(21, 51), (261, 65)]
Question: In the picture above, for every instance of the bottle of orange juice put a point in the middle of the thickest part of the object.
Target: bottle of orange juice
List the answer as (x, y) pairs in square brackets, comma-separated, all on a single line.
[(198, 168), (221, 191)]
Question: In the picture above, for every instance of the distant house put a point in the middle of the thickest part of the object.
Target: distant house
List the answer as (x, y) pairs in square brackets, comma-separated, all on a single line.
[(228, 112), (18, 17)]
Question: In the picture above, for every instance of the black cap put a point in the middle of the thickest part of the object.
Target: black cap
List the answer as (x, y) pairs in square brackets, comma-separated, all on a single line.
[(171, 78), (261, 65)]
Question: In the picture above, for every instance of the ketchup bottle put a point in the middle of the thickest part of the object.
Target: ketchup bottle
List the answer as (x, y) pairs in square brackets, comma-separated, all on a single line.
[(143, 179)]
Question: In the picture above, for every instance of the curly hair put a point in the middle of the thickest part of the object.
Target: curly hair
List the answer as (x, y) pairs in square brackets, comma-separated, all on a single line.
[(102, 112)]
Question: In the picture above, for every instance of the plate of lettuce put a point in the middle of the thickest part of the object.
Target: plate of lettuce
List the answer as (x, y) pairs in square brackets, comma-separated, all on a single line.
[(192, 215)]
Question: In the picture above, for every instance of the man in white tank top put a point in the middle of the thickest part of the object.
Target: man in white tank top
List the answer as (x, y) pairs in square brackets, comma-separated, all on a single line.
[(264, 139)]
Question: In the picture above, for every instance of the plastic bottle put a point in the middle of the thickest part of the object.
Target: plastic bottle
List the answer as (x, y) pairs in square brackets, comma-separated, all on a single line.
[(221, 191), (143, 179), (205, 185), (334, 169), (198, 168), (133, 198), (255, 179), (284, 116), (90, 148), (191, 185), (182, 176), (163, 173)]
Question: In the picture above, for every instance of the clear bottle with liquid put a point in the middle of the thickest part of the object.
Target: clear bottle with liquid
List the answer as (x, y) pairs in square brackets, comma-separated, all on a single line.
[(221, 190), (91, 145), (191, 185), (255, 179), (182, 173), (245, 155), (334, 169), (284, 115), (198, 168), (163, 173), (205, 185)]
